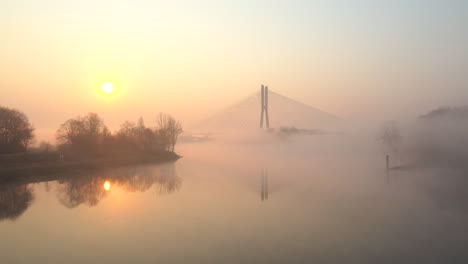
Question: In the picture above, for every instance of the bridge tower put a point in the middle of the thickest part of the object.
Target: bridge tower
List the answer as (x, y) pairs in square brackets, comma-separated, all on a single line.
[(264, 106)]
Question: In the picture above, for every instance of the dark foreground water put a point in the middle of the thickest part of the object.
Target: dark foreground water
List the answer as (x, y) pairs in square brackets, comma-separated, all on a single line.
[(287, 202)]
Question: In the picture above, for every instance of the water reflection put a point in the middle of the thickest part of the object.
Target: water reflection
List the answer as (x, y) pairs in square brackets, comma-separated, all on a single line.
[(83, 189), (91, 188), (14, 200), (168, 180), (264, 183), (140, 179), (107, 186), (387, 175)]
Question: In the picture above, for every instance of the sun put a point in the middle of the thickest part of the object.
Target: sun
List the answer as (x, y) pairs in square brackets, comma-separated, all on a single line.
[(107, 87)]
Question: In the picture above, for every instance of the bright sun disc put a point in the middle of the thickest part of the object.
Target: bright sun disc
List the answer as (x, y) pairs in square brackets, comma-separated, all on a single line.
[(107, 186), (107, 87)]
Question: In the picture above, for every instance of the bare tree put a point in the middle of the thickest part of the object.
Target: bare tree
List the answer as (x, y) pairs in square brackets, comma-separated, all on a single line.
[(163, 131), (16, 133), (175, 129), (169, 130), (390, 137)]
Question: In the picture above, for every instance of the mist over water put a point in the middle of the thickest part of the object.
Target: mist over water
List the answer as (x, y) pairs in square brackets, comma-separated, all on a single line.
[(248, 199)]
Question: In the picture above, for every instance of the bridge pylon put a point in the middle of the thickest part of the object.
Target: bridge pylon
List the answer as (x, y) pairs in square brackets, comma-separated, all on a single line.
[(264, 107)]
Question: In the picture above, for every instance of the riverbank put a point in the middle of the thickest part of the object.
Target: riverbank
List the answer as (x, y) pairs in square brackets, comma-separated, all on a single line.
[(34, 167)]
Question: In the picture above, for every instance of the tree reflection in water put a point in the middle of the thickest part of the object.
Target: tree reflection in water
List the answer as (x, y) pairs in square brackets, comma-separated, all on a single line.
[(88, 189), (168, 181), (83, 189), (14, 200)]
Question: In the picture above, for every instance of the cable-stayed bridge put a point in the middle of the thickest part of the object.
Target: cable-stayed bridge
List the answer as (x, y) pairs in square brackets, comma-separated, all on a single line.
[(280, 110)]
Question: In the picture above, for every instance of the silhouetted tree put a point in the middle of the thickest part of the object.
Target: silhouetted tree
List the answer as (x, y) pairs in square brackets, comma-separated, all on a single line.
[(83, 134), (145, 137), (175, 129), (169, 130), (16, 133), (163, 131), (136, 137)]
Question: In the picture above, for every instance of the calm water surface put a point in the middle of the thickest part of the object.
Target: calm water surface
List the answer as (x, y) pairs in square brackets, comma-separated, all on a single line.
[(225, 203)]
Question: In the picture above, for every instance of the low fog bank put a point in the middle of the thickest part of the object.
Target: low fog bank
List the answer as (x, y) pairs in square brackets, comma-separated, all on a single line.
[(257, 147), (438, 138)]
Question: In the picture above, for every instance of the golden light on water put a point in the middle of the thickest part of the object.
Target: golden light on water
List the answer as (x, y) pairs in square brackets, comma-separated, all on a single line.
[(107, 87), (107, 186)]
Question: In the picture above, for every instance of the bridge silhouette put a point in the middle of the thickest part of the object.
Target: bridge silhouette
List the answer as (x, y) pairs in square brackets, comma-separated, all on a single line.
[(278, 110)]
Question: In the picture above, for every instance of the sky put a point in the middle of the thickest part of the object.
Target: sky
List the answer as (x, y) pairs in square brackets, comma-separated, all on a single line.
[(373, 60)]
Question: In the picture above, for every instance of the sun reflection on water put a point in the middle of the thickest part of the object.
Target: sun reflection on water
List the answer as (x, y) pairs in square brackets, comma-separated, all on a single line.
[(107, 186)]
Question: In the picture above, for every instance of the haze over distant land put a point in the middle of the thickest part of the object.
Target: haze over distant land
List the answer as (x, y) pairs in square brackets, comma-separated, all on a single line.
[(364, 60)]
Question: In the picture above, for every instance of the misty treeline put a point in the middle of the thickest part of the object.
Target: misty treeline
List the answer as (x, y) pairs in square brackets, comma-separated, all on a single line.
[(88, 135), (438, 138)]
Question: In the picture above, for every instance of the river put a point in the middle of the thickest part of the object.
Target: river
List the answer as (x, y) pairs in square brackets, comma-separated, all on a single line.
[(242, 202)]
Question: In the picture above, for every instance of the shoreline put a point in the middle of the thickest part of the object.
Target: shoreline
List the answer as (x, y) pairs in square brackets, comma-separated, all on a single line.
[(28, 171)]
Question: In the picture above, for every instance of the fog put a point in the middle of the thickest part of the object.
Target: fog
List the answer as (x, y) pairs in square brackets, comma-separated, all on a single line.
[(338, 204), (258, 196), (254, 131)]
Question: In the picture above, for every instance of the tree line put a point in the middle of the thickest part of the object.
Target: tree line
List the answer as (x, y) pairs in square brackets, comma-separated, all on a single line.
[(88, 135)]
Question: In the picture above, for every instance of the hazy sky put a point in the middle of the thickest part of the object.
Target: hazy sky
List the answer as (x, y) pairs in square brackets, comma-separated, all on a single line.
[(356, 59)]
